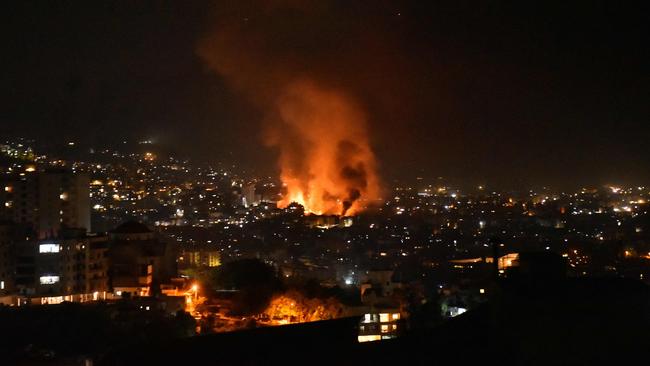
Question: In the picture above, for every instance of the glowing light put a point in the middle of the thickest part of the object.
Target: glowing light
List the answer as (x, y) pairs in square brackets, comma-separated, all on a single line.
[(332, 168), (368, 338), (49, 248), (48, 280)]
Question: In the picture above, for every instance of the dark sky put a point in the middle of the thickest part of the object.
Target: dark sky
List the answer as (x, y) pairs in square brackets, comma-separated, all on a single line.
[(505, 93)]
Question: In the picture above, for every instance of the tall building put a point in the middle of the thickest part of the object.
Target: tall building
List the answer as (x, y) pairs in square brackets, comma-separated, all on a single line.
[(47, 201), (7, 266), (249, 196), (15, 268)]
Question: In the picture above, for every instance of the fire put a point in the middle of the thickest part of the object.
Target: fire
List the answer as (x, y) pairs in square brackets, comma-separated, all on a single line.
[(326, 161)]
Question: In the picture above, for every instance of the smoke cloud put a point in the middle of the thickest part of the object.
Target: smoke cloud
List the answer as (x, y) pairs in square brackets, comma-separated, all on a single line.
[(320, 129)]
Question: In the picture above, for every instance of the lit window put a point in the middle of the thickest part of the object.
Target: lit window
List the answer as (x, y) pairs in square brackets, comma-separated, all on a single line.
[(2, 285), (395, 316), (367, 318), (368, 338), (384, 328), (49, 280), (49, 248), (383, 318)]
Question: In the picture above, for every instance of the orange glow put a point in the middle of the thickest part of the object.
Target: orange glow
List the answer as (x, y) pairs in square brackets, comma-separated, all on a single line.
[(326, 161), (293, 307)]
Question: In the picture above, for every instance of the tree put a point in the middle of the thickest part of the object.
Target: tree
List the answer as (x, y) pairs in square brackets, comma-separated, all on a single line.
[(254, 280), (294, 306)]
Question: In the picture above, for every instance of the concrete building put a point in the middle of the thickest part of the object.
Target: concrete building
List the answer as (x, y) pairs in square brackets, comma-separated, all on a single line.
[(48, 201), (199, 256), (75, 265), (249, 195), (139, 261), (78, 267), (7, 260), (380, 294)]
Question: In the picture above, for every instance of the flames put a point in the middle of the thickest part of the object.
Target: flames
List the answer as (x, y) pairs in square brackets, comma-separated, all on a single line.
[(326, 161)]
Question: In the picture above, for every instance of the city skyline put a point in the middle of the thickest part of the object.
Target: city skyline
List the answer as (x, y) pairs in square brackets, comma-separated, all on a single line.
[(508, 96), (324, 182)]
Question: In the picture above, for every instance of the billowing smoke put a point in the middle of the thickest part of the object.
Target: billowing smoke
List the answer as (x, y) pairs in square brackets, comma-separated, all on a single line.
[(325, 157), (326, 162)]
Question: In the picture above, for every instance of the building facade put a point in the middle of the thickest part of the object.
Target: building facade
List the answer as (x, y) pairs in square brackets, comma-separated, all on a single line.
[(48, 201)]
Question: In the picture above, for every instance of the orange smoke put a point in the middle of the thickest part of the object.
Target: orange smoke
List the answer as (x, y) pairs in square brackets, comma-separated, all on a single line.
[(326, 162)]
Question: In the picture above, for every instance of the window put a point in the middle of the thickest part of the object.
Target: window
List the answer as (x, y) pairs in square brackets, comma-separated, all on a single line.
[(395, 316), (2, 285), (384, 328), (49, 280), (368, 338), (49, 248), (383, 318)]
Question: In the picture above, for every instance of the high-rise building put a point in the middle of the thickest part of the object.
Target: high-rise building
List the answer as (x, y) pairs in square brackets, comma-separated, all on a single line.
[(47, 201), (6, 259), (15, 268), (249, 196)]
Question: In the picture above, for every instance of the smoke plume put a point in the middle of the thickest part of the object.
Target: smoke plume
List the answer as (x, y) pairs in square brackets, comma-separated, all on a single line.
[(325, 159)]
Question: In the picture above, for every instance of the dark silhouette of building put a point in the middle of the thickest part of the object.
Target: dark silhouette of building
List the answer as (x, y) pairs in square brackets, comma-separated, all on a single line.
[(139, 261)]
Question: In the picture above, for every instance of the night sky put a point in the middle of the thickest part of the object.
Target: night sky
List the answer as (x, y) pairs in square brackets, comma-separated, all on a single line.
[(505, 94)]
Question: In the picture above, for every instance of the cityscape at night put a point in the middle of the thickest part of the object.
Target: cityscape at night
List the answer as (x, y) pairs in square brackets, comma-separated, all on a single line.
[(324, 182)]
